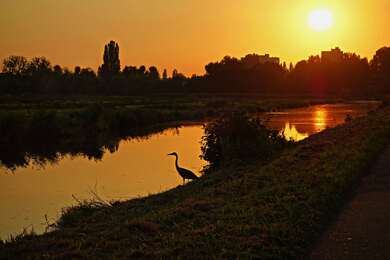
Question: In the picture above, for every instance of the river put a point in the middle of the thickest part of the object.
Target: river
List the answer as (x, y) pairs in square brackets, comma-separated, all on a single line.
[(136, 167)]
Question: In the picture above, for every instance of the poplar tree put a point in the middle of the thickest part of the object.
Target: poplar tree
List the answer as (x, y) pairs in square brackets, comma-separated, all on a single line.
[(111, 64)]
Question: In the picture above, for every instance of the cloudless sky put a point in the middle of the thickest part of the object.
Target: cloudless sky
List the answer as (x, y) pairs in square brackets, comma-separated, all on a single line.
[(186, 34)]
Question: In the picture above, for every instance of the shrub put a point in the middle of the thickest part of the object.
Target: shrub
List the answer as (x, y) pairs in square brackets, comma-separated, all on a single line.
[(236, 138)]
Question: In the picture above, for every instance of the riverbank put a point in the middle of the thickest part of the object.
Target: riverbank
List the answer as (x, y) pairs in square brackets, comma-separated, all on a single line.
[(274, 211)]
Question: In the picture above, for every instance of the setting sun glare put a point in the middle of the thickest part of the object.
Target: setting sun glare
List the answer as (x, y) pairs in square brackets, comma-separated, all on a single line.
[(321, 20)]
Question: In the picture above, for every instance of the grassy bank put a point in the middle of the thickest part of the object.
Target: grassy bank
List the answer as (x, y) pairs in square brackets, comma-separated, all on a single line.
[(120, 114), (272, 211)]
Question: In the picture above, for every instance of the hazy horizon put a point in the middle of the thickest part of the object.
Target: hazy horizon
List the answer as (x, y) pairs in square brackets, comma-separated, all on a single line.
[(186, 35)]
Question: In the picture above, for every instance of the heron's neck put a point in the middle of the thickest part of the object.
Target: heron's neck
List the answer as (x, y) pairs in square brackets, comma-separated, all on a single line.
[(177, 162)]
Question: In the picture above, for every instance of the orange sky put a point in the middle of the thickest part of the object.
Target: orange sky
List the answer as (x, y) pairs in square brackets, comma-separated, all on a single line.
[(186, 34)]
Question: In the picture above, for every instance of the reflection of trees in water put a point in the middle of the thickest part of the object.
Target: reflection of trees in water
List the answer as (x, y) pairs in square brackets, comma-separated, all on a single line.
[(24, 149), (48, 151)]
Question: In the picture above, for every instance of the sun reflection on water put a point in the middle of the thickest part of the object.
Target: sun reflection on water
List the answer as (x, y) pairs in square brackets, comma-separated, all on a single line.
[(320, 118), (291, 133)]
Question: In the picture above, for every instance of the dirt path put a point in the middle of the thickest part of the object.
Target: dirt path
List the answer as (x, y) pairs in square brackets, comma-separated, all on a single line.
[(362, 231)]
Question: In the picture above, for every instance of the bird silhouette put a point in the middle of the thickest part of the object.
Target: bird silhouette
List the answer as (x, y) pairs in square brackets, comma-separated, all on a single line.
[(184, 173)]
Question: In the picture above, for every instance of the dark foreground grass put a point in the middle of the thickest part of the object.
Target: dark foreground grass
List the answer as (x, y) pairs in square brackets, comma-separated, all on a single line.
[(274, 211)]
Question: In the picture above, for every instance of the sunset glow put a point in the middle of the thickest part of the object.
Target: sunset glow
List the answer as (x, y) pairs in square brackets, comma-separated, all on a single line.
[(163, 33)]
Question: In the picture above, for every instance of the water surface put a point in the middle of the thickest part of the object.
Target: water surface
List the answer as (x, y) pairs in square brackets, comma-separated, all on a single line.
[(299, 123), (137, 168)]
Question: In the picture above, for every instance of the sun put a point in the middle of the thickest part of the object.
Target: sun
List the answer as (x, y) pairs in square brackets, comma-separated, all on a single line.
[(320, 20)]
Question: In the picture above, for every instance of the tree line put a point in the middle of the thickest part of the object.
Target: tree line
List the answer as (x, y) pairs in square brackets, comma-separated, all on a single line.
[(334, 73)]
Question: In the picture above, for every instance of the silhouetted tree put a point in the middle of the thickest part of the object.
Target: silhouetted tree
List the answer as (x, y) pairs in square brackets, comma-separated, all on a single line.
[(153, 73), (335, 74), (57, 70), (380, 67), (251, 73), (177, 76), (111, 64), (77, 70), (42, 79), (87, 81), (39, 66), (175, 73), (284, 66), (130, 72), (142, 70), (165, 74), (291, 67), (16, 65)]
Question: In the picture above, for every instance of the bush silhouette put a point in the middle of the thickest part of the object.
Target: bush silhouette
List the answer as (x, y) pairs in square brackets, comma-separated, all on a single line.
[(239, 137)]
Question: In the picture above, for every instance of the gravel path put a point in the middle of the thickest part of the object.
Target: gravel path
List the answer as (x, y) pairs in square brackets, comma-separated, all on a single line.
[(362, 230)]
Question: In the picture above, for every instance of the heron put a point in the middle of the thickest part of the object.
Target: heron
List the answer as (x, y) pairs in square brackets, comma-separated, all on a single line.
[(184, 173)]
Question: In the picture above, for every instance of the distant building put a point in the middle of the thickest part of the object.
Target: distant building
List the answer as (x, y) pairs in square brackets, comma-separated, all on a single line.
[(252, 60), (333, 55), (267, 59)]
